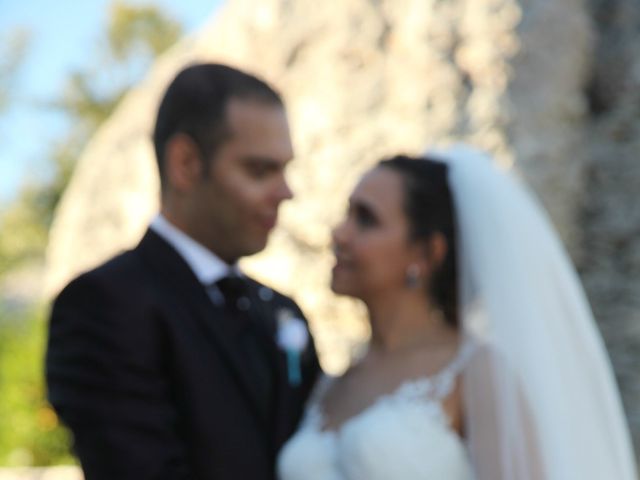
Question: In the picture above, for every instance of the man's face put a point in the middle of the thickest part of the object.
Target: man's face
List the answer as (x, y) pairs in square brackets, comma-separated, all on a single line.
[(235, 206)]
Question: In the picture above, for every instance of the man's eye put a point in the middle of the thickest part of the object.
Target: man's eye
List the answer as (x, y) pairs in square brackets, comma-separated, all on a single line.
[(258, 171)]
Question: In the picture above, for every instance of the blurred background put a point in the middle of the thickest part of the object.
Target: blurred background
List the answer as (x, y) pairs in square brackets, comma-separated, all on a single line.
[(551, 88)]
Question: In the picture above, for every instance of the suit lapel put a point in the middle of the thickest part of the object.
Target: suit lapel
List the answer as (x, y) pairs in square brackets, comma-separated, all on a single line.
[(178, 280), (284, 406), (265, 313)]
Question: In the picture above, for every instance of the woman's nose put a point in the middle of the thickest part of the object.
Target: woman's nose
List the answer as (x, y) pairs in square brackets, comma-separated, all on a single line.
[(339, 233)]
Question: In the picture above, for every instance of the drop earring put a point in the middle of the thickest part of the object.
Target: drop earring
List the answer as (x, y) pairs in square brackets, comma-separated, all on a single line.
[(412, 277)]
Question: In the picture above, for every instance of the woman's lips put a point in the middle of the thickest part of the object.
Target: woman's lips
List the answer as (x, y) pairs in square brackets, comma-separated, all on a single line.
[(342, 264)]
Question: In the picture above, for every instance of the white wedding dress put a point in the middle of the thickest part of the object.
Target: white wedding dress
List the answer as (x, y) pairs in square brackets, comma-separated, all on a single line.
[(402, 435)]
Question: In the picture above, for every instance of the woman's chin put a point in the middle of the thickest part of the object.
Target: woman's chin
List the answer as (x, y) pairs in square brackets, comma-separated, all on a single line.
[(341, 288)]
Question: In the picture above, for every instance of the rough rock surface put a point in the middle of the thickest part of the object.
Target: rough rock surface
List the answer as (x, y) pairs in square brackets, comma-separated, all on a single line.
[(532, 81), (610, 217)]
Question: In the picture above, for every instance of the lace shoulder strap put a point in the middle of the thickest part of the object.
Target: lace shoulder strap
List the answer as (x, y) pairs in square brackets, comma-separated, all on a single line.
[(313, 416), (320, 389), (440, 385)]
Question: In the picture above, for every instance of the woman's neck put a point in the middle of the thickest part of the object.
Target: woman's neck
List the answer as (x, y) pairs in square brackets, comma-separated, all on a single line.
[(406, 322)]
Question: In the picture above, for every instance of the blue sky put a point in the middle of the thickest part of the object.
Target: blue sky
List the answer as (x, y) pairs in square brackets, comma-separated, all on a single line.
[(64, 35)]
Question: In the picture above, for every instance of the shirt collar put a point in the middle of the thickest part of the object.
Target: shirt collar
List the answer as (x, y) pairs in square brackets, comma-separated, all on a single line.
[(205, 264)]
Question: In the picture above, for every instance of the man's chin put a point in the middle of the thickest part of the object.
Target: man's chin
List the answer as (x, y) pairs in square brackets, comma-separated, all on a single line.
[(255, 247)]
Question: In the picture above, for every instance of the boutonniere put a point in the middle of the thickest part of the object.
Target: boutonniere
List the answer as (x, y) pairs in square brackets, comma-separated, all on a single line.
[(292, 338)]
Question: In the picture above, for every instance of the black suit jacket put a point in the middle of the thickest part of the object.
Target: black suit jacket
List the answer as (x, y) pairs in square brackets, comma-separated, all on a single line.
[(141, 369)]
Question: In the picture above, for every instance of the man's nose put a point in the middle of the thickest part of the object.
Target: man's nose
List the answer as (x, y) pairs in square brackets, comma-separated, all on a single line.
[(283, 191), (286, 191)]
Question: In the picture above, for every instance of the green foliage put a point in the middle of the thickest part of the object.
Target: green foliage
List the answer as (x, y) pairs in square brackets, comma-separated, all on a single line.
[(29, 429), (25, 225), (30, 433), (140, 31), (84, 103), (134, 37), (13, 46)]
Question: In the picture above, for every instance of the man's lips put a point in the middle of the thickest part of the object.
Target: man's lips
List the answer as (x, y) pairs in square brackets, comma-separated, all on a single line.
[(269, 222)]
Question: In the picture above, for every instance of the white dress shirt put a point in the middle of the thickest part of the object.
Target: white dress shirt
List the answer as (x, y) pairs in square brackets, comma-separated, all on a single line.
[(206, 265)]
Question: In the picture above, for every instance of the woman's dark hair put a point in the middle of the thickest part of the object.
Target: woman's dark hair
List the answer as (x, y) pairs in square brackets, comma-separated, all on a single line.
[(195, 104), (429, 207)]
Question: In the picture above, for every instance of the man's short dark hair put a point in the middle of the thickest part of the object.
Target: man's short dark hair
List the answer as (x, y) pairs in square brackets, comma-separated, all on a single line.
[(195, 103)]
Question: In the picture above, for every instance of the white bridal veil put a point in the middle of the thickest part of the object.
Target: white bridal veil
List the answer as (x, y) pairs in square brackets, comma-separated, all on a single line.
[(541, 399)]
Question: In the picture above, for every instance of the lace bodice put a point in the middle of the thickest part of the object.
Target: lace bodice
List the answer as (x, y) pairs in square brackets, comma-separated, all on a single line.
[(402, 435)]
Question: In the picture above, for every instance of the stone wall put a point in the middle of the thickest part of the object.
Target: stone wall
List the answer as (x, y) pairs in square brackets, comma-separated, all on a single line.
[(610, 217)]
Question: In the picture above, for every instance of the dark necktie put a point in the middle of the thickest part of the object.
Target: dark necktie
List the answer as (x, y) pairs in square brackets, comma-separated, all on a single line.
[(236, 294), (247, 335)]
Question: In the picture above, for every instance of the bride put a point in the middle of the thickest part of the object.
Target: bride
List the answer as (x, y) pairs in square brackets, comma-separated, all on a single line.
[(484, 361)]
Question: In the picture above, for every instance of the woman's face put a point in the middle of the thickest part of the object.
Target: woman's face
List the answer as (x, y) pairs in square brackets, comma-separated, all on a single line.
[(372, 245)]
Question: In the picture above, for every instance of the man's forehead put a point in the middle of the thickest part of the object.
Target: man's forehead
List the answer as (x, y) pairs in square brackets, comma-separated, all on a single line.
[(252, 107), (254, 125)]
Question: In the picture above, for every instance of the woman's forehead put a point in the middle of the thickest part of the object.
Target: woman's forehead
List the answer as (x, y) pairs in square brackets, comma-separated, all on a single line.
[(380, 189), (379, 184)]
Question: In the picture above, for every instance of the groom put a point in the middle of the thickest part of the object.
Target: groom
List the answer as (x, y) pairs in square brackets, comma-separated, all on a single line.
[(165, 361)]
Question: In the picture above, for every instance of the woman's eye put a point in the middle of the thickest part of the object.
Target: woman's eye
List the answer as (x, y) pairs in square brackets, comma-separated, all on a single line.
[(365, 218)]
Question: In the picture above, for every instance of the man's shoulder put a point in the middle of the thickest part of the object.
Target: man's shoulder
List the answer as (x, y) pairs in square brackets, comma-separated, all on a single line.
[(124, 264), (122, 271), (121, 266)]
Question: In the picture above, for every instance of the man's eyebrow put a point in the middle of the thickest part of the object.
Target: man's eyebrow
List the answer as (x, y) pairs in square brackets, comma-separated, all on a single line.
[(258, 159), (264, 161)]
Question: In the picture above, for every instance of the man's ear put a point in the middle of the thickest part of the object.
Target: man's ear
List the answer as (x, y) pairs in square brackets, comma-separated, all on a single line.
[(182, 163)]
